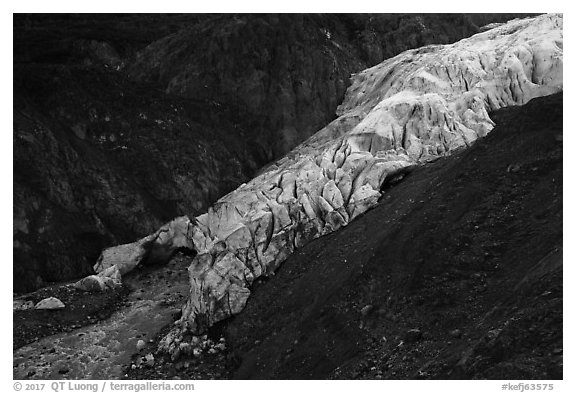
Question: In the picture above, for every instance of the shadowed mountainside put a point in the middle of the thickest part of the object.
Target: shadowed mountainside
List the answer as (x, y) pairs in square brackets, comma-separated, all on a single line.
[(111, 140)]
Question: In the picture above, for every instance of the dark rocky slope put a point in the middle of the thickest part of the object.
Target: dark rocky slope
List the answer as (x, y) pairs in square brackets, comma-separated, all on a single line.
[(122, 122), (467, 250)]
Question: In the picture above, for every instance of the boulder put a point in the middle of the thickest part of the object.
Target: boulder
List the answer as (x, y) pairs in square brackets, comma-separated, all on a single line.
[(91, 283), (109, 278), (50, 303), (412, 335)]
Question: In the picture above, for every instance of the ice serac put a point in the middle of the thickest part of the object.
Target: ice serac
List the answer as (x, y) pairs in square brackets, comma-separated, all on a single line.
[(158, 246), (406, 111)]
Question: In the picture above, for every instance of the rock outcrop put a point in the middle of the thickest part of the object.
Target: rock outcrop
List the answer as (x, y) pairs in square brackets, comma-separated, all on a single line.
[(406, 111)]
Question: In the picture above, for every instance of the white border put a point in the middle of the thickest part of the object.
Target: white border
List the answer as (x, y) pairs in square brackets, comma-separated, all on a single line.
[(165, 6)]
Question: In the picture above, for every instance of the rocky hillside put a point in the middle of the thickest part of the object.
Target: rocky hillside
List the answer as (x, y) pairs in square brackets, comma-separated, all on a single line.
[(124, 121)]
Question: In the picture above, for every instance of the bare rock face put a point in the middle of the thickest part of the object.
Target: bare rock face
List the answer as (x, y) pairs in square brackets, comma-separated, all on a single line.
[(406, 111)]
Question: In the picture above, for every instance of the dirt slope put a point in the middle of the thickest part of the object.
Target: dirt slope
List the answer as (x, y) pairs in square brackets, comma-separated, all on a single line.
[(467, 250)]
